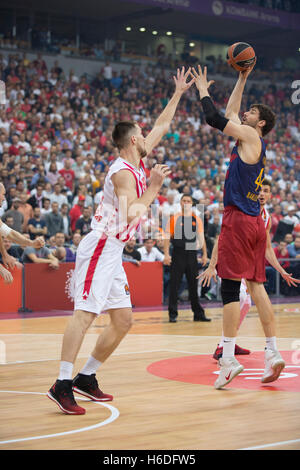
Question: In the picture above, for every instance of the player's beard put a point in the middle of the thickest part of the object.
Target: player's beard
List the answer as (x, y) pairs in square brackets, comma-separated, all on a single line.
[(142, 151)]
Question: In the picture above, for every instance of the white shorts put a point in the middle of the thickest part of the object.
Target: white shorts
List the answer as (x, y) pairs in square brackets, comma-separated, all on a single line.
[(100, 280)]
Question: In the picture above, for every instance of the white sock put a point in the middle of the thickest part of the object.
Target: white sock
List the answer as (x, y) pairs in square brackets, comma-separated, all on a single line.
[(271, 343), (65, 371), (91, 366), (221, 342), (228, 347)]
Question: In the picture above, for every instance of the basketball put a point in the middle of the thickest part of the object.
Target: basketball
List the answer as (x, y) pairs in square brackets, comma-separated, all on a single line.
[(240, 56)]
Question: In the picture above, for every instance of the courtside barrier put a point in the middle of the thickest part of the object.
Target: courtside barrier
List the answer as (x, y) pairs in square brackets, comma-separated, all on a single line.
[(49, 289), (11, 294)]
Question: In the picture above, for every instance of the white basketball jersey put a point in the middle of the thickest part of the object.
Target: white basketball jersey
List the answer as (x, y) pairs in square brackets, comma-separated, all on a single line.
[(265, 216), (107, 218)]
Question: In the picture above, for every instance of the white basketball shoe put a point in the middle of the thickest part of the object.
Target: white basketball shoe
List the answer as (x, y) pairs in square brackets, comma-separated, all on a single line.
[(229, 368), (274, 364)]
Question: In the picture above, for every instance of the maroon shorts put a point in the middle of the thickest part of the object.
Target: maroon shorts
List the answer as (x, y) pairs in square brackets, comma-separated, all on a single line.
[(242, 246)]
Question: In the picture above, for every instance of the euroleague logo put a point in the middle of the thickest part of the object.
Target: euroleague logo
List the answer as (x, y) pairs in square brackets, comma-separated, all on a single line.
[(203, 370)]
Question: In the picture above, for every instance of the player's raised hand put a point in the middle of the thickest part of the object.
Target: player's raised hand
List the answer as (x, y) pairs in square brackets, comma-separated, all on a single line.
[(245, 73), (181, 82), (201, 78), (158, 175)]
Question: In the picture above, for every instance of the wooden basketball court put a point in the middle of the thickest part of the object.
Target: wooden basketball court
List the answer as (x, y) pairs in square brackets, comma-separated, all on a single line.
[(162, 379)]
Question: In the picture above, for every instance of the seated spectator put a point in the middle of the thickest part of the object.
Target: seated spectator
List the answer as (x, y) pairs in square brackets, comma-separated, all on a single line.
[(130, 253), (26, 210), (13, 250), (37, 198), (76, 212), (46, 209), (149, 252), (57, 196), (64, 254), (291, 217), (64, 212), (36, 225), (54, 221), (83, 223), (41, 256), (294, 251), (18, 217), (59, 239), (76, 239)]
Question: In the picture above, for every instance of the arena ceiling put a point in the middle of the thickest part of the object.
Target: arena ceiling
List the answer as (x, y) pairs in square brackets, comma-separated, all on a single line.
[(117, 13)]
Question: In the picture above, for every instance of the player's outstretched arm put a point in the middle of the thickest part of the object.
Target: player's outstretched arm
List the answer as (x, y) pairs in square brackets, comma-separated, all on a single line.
[(210, 271), (272, 259), (18, 238), (164, 120), (234, 103), (243, 133)]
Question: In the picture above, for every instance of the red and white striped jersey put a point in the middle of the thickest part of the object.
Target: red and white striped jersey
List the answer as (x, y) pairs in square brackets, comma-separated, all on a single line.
[(265, 216), (107, 218)]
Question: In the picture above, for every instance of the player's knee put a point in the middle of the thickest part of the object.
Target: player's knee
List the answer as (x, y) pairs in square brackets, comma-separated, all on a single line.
[(83, 319), (124, 323), (230, 291)]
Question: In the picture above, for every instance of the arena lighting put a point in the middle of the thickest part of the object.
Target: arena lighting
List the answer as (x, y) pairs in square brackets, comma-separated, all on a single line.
[(192, 44), (169, 33), (128, 28), (142, 29), (154, 33)]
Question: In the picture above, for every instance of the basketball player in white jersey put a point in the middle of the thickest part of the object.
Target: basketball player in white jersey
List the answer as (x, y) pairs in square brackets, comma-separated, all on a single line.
[(245, 298), (100, 280)]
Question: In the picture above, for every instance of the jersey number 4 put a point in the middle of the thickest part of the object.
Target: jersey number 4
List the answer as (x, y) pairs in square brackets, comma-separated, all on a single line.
[(259, 180)]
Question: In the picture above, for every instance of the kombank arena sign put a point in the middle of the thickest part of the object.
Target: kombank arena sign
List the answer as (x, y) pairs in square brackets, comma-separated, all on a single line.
[(234, 11)]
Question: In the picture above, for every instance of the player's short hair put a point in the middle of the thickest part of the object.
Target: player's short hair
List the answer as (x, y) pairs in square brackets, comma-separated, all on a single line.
[(122, 132), (267, 182), (265, 114)]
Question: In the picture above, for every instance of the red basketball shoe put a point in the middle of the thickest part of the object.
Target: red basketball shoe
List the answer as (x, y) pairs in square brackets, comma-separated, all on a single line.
[(87, 386), (238, 351), (62, 394)]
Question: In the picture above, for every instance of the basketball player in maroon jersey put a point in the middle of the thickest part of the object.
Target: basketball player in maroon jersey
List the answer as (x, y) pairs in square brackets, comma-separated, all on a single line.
[(242, 241), (245, 298)]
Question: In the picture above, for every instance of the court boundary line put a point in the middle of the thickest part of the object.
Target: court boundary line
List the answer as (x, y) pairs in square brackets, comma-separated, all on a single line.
[(274, 444), (114, 415)]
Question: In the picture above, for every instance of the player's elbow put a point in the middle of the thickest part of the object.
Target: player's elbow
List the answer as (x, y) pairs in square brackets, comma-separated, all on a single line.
[(216, 120)]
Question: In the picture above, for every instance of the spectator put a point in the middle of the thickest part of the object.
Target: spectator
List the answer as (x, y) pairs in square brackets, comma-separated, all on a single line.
[(68, 174), (130, 253), (83, 223), (149, 252), (64, 254), (13, 250), (59, 239), (18, 218), (26, 210), (76, 212), (41, 256), (76, 239), (36, 225), (54, 221), (37, 198), (57, 196), (291, 217), (64, 212)]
